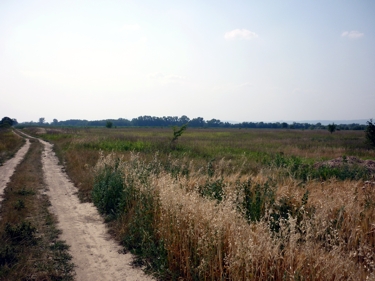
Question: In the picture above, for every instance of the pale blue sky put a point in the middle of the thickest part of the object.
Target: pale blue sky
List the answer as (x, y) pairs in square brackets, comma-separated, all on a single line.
[(230, 60)]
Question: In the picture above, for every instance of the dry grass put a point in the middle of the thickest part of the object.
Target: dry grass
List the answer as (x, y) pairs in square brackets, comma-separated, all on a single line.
[(9, 144), (308, 229), (331, 237)]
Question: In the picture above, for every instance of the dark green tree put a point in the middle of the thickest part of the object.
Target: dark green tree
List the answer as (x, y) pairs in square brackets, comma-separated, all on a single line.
[(370, 133), (177, 132), (332, 127), (109, 124), (6, 122)]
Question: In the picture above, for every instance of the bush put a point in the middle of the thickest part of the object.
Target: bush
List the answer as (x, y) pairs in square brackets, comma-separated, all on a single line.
[(108, 191), (370, 133), (332, 127), (109, 124), (22, 232)]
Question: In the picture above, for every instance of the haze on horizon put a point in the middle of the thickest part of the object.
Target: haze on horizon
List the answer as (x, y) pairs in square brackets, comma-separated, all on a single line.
[(229, 60)]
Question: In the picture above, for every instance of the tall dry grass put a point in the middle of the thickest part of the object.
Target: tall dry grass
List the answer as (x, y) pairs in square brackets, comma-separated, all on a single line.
[(328, 237), (262, 214)]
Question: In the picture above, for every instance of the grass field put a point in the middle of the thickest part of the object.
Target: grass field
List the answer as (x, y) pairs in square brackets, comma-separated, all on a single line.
[(230, 204)]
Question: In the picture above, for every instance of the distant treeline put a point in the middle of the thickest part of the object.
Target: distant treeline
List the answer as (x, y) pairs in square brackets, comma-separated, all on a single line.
[(199, 122)]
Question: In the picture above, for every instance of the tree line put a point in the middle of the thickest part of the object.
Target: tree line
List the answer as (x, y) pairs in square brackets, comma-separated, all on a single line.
[(199, 122)]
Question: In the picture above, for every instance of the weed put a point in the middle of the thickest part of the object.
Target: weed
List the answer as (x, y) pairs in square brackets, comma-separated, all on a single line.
[(8, 255), (21, 232), (20, 204), (25, 192)]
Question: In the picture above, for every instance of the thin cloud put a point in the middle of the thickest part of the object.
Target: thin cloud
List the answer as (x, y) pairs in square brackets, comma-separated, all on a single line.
[(240, 34), (352, 34), (167, 79), (131, 27), (156, 75), (173, 77), (244, 85)]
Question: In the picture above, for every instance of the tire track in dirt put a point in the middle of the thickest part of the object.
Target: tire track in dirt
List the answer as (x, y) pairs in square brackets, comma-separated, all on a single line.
[(95, 254), (7, 170)]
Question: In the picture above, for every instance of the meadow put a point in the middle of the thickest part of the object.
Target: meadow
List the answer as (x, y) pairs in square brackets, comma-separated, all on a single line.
[(230, 204)]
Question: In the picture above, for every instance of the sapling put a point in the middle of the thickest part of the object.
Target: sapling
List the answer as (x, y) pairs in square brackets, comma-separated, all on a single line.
[(177, 132)]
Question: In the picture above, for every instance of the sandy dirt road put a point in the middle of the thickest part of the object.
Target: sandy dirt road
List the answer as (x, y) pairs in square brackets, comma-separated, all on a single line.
[(96, 256), (7, 170)]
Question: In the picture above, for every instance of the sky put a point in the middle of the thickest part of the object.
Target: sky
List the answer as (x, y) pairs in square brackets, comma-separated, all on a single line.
[(230, 60)]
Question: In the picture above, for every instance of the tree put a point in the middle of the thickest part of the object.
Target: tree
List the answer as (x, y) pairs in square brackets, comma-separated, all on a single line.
[(42, 120), (332, 127), (370, 133), (109, 124), (6, 122), (177, 132), (55, 121)]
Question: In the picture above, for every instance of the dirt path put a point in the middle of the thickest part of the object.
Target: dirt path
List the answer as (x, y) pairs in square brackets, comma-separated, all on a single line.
[(94, 253), (7, 170)]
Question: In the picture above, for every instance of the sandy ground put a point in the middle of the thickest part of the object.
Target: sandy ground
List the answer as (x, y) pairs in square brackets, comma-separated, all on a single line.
[(6, 171), (95, 254)]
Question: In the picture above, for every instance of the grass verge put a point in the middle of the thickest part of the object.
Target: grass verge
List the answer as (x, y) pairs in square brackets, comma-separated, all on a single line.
[(9, 144)]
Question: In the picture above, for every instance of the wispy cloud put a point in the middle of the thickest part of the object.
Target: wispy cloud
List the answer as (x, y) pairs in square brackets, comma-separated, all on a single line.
[(240, 34), (166, 79), (131, 27), (173, 77), (352, 34), (156, 75), (244, 85)]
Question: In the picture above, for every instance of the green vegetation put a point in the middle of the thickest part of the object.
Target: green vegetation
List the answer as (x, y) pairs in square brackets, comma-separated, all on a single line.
[(7, 122), (370, 133), (177, 132), (199, 122), (230, 204), (109, 124), (9, 144), (331, 128)]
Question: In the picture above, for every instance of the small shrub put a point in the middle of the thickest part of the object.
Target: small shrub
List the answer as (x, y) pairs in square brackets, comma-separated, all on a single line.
[(213, 189), (20, 204), (256, 199), (25, 192), (7, 255), (108, 191), (109, 124), (22, 232), (332, 127), (370, 133)]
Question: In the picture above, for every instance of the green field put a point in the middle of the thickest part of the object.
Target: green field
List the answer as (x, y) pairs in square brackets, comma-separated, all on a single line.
[(230, 204)]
